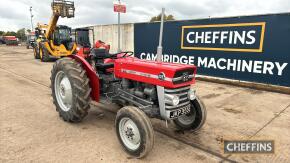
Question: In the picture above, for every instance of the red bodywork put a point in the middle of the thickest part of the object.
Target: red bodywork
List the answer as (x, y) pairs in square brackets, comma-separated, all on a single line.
[(147, 71), (136, 65), (100, 44), (132, 68), (83, 51), (10, 38)]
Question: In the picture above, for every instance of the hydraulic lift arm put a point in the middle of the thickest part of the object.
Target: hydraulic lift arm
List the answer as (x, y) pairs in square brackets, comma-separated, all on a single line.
[(60, 8)]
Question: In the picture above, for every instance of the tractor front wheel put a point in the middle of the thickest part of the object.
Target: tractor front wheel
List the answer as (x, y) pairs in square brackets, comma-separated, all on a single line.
[(70, 90), (44, 55), (134, 131), (36, 52), (193, 120)]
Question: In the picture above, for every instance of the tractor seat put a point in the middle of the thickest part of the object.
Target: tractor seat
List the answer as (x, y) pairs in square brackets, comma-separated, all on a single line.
[(104, 66), (100, 54)]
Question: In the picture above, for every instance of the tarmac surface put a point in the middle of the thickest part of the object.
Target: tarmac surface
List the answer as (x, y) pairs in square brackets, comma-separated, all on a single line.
[(32, 131)]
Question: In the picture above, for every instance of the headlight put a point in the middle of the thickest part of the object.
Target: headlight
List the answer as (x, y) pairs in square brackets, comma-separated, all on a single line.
[(175, 100), (191, 94), (171, 99), (78, 48)]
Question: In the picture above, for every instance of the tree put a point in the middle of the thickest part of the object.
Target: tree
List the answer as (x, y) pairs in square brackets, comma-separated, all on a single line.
[(10, 33), (21, 34), (2, 33), (170, 17), (158, 18)]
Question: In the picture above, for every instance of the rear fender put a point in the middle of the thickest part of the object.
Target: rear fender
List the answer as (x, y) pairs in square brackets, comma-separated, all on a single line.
[(94, 79)]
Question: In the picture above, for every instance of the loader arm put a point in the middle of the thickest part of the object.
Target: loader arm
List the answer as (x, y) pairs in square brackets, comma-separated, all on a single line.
[(60, 8), (51, 26)]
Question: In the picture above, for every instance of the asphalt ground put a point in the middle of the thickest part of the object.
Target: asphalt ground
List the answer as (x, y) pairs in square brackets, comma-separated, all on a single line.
[(32, 131)]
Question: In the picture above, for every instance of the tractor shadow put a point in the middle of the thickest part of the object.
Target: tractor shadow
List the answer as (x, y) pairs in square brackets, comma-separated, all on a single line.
[(99, 119), (103, 117)]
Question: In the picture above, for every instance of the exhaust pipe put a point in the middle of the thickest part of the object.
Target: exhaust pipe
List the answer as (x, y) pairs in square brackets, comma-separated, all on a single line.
[(159, 48)]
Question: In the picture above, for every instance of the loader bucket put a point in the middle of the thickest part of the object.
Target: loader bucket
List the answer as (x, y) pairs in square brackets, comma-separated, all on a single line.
[(63, 8)]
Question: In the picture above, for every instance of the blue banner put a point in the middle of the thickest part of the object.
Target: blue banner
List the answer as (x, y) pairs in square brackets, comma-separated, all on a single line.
[(247, 48)]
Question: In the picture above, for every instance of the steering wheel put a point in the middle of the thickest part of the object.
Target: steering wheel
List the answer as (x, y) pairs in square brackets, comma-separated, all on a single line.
[(125, 54)]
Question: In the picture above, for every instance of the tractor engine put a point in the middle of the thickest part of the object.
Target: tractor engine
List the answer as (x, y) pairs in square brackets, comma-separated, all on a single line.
[(139, 94)]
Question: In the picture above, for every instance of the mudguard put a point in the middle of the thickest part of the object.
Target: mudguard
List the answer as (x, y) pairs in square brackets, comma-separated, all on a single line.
[(94, 78)]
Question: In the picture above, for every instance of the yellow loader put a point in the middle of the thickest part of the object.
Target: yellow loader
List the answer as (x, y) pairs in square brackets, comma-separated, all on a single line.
[(53, 40)]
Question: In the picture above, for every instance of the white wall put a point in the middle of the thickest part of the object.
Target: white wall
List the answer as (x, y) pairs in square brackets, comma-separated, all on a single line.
[(109, 35)]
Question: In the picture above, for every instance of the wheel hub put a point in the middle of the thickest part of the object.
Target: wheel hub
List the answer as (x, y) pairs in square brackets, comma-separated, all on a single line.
[(63, 91), (129, 133)]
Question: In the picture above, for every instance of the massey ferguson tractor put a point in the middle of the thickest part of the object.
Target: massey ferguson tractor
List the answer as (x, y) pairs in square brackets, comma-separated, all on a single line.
[(144, 89)]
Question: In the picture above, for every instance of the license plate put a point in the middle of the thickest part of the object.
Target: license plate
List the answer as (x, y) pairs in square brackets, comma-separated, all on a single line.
[(179, 112)]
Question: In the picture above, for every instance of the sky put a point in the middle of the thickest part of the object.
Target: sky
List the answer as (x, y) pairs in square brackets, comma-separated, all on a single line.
[(14, 14)]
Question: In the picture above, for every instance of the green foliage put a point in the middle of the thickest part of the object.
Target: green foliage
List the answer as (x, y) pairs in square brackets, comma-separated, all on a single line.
[(158, 18), (10, 33), (170, 17), (21, 34)]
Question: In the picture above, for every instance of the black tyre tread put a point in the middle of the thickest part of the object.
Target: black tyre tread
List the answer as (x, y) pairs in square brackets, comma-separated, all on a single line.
[(194, 126), (36, 54), (80, 87), (45, 54), (204, 112), (144, 121)]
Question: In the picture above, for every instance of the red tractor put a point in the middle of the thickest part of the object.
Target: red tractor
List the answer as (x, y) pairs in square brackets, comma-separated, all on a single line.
[(145, 89)]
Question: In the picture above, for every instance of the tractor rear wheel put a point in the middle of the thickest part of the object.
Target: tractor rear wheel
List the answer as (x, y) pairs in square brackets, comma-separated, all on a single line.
[(193, 120), (70, 89), (134, 131), (36, 52), (44, 57)]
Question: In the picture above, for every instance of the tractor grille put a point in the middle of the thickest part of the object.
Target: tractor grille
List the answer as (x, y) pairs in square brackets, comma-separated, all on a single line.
[(183, 97), (183, 76)]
